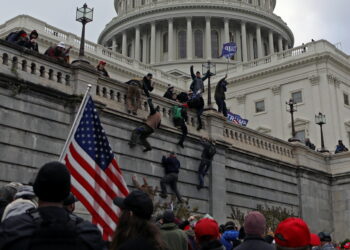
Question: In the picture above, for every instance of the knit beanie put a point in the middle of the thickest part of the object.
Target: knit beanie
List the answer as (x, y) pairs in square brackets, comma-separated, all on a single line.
[(255, 223), (52, 183)]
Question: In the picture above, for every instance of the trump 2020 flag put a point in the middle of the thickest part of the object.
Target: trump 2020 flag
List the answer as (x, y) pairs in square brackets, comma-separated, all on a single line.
[(95, 175), (229, 49)]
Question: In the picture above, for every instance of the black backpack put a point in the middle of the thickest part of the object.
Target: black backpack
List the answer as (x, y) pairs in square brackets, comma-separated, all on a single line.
[(54, 234), (12, 37)]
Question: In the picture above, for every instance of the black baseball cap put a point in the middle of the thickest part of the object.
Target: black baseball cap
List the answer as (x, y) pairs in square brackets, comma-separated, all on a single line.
[(138, 202)]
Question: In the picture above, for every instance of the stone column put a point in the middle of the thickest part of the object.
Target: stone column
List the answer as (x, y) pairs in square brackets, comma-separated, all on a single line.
[(189, 39), (114, 44), (271, 46), (227, 30), (251, 46), (208, 38), (286, 45), (137, 43), (258, 41), (124, 44), (153, 43), (238, 56), (280, 44), (244, 42), (144, 48), (170, 40)]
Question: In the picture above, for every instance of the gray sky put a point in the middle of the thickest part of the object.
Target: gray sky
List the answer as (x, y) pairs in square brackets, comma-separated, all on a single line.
[(317, 19)]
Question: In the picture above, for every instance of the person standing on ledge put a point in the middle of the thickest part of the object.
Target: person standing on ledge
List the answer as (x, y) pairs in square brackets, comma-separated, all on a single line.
[(141, 133), (172, 167), (147, 84), (220, 96), (209, 150), (197, 81)]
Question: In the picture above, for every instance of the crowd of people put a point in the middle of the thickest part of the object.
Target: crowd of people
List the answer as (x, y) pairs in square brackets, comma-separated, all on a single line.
[(41, 216)]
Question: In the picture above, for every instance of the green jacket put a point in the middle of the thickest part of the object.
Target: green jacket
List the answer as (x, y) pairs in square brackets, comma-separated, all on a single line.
[(174, 237)]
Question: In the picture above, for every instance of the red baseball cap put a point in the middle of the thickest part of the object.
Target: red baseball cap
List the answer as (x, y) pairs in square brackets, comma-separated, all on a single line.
[(293, 232), (315, 240), (207, 227)]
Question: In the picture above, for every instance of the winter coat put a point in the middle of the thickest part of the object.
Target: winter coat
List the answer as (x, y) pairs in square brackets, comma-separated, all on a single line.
[(171, 165), (16, 232), (212, 245), (169, 93), (197, 82), (207, 147), (254, 242), (17, 207), (175, 238), (327, 246), (227, 237), (146, 86), (221, 89), (154, 121), (103, 72), (340, 148)]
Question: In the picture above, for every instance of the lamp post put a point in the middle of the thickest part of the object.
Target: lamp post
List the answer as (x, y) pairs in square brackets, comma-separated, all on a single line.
[(84, 15), (320, 119), (291, 108), (211, 69)]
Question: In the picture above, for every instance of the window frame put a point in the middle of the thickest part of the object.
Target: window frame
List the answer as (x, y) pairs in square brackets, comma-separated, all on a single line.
[(347, 97), (255, 106), (301, 96)]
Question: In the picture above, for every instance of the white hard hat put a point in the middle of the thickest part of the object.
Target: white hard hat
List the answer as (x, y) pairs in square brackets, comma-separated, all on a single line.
[(61, 44)]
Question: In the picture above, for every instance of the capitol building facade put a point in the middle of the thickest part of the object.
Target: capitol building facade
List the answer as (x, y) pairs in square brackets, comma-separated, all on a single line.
[(175, 34), (166, 37)]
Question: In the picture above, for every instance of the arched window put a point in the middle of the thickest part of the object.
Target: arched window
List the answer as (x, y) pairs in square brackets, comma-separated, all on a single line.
[(129, 50), (182, 44), (198, 44), (214, 44), (165, 42), (255, 48)]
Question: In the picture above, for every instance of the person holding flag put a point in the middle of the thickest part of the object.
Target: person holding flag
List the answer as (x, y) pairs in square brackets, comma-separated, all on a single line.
[(96, 178)]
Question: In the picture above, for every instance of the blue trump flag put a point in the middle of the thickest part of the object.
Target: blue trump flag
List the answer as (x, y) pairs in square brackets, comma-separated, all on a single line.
[(229, 49), (237, 119)]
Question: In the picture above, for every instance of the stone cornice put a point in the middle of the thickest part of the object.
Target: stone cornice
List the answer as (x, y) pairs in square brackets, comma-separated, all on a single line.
[(197, 6), (288, 65)]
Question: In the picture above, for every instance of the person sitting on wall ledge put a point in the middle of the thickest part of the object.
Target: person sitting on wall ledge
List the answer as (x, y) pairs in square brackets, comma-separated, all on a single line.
[(169, 94), (101, 69), (309, 144), (18, 37), (59, 52), (32, 44), (340, 147)]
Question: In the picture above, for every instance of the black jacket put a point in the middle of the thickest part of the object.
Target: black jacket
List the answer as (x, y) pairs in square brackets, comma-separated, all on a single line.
[(16, 232), (171, 164), (209, 150), (254, 242), (213, 245), (221, 89), (146, 86)]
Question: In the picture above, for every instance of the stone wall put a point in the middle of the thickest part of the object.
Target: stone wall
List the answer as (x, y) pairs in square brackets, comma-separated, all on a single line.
[(249, 169)]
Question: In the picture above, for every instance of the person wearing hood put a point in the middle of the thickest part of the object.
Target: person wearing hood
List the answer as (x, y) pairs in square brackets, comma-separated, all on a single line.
[(169, 94), (32, 43), (255, 227), (207, 235), (229, 238), (174, 237), (25, 200)]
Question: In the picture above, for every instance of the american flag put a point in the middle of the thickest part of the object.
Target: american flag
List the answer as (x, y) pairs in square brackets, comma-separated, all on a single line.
[(95, 174)]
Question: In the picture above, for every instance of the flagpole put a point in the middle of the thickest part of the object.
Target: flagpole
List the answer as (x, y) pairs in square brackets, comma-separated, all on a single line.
[(77, 117)]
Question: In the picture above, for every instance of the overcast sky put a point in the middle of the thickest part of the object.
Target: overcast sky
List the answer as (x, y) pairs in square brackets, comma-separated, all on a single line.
[(317, 19)]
